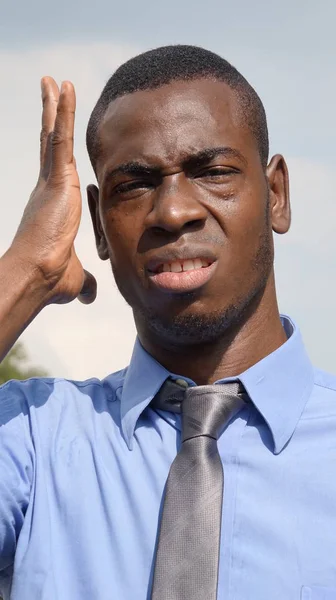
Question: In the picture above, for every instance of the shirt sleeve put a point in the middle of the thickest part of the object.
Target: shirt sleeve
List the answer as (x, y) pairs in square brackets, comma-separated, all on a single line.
[(16, 468)]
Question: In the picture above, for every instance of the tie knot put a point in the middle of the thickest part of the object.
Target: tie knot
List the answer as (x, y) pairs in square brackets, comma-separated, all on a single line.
[(205, 409)]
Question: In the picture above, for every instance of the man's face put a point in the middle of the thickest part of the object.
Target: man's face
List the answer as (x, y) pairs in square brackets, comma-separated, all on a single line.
[(183, 210)]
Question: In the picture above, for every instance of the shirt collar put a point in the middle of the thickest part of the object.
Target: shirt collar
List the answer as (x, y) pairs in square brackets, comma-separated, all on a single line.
[(279, 386), (143, 379)]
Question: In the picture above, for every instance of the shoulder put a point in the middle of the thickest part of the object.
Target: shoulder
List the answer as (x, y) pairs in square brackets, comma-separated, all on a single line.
[(322, 401), (325, 381), (40, 395)]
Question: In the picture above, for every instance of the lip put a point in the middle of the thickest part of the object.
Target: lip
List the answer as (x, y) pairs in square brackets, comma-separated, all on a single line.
[(183, 282)]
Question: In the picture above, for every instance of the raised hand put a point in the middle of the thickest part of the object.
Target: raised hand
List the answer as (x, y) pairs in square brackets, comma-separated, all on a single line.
[(51, 219)]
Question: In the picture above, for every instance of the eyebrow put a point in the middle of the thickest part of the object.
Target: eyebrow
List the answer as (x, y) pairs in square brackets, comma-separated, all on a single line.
[(205, 156), (134, 168), (195, 160)]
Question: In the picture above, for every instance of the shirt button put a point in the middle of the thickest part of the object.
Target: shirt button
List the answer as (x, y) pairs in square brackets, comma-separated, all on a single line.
[(182, 382)]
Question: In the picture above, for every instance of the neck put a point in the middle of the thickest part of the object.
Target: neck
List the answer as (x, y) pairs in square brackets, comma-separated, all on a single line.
[(257, 335)]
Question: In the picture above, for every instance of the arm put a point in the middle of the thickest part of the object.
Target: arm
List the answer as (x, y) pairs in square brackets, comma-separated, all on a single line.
[(23, 297), (41, 266), (17, 460)]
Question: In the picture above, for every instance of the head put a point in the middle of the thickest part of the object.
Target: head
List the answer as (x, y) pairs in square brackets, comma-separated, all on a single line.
[(179, 144)]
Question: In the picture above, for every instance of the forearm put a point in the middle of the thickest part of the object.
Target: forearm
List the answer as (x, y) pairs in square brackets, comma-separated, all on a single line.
[(22, 296)]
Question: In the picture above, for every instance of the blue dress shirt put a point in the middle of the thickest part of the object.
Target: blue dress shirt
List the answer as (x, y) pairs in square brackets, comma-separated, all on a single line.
[(83, 467)]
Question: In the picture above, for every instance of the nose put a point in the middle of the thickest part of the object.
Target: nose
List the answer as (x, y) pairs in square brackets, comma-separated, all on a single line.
[(176, 206)]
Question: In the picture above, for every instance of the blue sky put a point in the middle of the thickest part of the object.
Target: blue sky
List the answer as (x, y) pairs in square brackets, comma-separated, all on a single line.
[(287, 51)]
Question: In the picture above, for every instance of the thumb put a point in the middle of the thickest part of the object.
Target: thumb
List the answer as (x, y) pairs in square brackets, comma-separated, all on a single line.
[(88, 292)]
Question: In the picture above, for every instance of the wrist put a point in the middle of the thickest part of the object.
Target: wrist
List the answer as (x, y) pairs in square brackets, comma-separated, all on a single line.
[(23, 295), (25, 276)]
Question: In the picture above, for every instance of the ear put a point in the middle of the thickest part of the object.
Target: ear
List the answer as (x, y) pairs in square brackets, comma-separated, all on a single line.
[(93, 201), (278, 180)]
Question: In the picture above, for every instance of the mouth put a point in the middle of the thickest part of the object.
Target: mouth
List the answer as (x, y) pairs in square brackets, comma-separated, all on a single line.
[(181, 275)]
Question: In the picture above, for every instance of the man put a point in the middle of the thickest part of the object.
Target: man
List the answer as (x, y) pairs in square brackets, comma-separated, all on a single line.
[(113, 489)]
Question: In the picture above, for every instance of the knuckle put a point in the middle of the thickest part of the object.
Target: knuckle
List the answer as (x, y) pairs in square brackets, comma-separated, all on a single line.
[(60, 173), (64, 111), (57, 138), (44, 134), (56, 182)]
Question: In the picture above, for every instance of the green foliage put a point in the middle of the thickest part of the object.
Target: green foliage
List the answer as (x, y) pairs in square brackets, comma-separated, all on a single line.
[(16, 365)]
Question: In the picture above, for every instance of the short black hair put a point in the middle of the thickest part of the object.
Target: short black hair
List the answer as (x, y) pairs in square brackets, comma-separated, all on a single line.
[(161, 66)]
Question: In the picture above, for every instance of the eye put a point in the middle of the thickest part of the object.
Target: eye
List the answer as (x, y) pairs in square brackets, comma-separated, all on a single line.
[(217, 173), (129, 186)]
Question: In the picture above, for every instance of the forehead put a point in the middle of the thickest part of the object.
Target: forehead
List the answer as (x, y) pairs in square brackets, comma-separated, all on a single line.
[(165, 125)]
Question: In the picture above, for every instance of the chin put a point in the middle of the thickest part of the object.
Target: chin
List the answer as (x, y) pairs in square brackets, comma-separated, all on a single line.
[(193, 325)]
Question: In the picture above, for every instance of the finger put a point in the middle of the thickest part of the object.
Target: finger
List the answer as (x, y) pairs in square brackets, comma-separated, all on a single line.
[(88, 292), (63, 134), (50, 95)]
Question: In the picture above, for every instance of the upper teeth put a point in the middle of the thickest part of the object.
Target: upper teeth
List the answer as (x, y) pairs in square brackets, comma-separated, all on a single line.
[(185, 265)]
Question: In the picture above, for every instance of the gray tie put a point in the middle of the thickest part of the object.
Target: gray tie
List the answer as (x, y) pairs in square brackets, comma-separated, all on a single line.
[(187, 557)]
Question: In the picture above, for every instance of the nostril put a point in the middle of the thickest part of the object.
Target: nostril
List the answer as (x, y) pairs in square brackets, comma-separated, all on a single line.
[(193, 223), (177, 228), (158, 230)]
